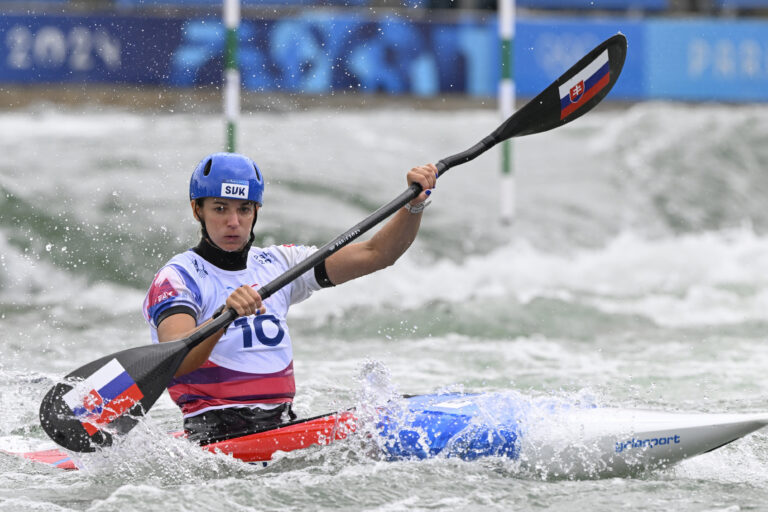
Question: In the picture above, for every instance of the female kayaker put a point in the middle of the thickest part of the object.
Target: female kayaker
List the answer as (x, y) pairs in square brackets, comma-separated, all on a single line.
[(241, 378)]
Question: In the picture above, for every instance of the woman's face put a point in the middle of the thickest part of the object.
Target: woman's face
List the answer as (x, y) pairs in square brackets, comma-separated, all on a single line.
[(228, 221)]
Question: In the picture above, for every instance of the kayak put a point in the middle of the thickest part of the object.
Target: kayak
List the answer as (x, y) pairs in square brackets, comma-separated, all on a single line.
[(572, 440)]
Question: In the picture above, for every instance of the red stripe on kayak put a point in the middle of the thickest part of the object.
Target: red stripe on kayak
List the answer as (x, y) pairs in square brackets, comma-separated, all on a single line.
[(56, 458), (261, 446)]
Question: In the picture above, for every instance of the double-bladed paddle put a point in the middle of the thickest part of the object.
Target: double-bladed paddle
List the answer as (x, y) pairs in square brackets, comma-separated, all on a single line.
[(106, 397)]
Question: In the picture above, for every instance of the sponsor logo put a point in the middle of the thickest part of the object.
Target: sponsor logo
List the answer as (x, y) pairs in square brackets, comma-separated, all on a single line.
[(233, 189), (161, 292), (651, 442), (263, 258), (341, 242), (458, 403), (200, 268)]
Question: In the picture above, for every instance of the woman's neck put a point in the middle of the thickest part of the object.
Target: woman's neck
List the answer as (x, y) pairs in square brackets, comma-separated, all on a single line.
[(225, 260)]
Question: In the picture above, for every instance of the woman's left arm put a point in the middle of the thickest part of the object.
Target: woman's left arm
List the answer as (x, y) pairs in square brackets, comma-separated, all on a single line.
[(390, 242)]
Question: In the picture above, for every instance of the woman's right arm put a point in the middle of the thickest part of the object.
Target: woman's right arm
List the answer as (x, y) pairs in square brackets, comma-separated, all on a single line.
[(244, 300)]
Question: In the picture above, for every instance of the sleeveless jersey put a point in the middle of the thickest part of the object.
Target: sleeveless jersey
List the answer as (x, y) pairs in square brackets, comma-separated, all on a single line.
[(253, 361)]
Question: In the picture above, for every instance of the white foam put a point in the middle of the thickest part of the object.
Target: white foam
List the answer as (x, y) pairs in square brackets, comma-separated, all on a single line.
[(709, 278)]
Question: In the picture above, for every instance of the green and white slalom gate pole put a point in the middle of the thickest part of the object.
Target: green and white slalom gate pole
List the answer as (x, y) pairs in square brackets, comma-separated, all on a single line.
[(231, 13), (507, 105)]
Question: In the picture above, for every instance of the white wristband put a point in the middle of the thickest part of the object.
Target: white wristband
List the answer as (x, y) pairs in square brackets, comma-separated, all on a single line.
[(417, 208)]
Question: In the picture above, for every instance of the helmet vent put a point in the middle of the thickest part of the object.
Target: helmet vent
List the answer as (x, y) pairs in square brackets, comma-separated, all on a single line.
[(258, 174), (207, 169)]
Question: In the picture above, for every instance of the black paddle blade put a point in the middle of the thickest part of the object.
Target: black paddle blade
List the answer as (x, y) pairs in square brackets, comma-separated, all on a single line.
[(572, 95), (107, 396)]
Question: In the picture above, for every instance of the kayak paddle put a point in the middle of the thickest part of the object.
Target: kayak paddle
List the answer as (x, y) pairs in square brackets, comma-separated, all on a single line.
[(106, 397)]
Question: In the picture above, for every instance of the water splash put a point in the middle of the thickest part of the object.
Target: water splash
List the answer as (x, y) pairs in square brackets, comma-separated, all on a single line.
[(149, 455), (375, 392), (376, 389)]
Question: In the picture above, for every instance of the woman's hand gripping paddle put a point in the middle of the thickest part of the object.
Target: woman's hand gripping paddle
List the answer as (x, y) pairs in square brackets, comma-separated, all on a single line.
[(106, 397)]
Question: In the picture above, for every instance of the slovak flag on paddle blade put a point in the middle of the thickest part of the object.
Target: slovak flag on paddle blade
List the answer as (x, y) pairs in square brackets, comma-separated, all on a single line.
[(584, 85), (103, 397)]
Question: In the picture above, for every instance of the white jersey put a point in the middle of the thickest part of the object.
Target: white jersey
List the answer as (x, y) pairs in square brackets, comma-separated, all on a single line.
[(253, 361)]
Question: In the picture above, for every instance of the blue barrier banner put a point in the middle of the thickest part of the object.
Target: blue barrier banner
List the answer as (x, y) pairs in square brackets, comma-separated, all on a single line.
[(596, 5), (138, 4), (582, 5), (741, 4), (321, 53), (707, 60), (309, 53), (57, 49)]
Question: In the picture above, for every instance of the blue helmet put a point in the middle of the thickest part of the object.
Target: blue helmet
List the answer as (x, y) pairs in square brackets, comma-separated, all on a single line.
[(227, 175)]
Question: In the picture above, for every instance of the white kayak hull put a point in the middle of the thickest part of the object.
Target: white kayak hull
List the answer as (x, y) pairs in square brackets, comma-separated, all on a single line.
[(606, 442), (557, 439)]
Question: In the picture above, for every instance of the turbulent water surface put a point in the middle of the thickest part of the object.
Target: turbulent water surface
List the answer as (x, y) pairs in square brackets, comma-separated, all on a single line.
[(635, 275)]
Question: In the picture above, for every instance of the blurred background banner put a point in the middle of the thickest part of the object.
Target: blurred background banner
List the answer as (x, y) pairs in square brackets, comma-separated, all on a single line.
[(545, 47), (707, 59), (88, 49), (306, 53), (414, 51)]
